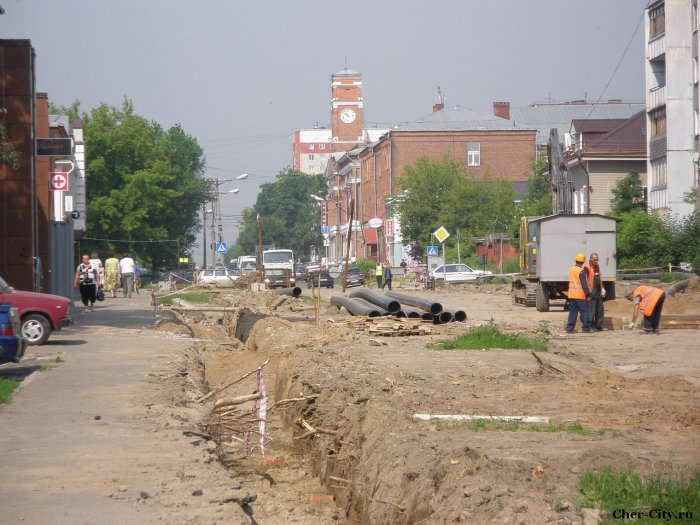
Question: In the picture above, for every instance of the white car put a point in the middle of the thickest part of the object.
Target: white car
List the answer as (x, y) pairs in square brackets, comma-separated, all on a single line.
[(457, 273), (218, 276)]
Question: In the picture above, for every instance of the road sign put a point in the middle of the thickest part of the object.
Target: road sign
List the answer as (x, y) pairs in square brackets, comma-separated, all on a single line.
[(58, 181), (221, 247), (432, 251), (441, 234), (375, 222), (59, 147)]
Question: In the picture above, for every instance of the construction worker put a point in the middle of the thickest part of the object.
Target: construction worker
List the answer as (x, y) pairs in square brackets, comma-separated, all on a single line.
[(578, 293), (379, 273), (594, 280), (649, 301)]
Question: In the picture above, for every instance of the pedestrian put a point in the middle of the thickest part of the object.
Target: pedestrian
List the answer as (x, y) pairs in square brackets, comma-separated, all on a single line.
[(126, 270), (378, 273), (388, 276), (594, 280), (96, 263), (87, 278), (137, 277), (650, 301), (111, 274), (577, 295)]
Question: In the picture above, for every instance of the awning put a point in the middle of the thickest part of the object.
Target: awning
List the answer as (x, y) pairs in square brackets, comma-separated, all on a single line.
[(370, 235)]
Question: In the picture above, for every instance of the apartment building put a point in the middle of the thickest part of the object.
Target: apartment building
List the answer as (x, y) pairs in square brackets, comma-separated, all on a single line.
[(673, 117)]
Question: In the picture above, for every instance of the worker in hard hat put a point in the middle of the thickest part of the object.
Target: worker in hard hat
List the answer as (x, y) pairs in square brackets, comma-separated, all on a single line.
[(649, 301), (578, 294), (594, 280)]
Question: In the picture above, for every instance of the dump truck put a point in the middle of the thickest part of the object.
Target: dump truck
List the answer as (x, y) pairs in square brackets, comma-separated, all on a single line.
[(548, 247)]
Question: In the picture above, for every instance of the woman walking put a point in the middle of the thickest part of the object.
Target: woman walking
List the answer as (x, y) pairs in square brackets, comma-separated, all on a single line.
[(111, 274), (88, 278)]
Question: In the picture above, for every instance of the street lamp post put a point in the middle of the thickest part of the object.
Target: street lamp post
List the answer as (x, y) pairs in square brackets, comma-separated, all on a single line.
[(214, 193)]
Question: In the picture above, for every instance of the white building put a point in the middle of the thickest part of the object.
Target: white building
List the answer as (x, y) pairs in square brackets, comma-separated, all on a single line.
[(311, 150), (673, 119)]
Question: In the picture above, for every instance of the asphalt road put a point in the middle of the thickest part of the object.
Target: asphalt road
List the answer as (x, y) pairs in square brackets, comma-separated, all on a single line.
[(72, 446)]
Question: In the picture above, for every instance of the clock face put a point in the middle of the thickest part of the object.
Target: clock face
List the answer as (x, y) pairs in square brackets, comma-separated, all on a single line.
[(347, 115)]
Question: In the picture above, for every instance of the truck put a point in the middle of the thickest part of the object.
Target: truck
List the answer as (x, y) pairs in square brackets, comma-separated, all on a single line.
[(547, 249), (278, 268), (247, 264)]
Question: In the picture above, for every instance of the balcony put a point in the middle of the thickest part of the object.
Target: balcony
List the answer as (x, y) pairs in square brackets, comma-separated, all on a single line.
[(656, 97), (656, 47)]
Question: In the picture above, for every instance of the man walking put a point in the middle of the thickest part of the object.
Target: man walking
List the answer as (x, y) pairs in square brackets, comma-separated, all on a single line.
[(594, 280), (650, 301), (126, 270), (578, 293), (388, 276)]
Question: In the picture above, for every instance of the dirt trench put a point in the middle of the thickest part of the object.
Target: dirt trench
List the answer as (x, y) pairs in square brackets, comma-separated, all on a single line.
[(343, 446)]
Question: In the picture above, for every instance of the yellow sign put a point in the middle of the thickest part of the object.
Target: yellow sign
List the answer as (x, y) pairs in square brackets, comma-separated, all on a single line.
[(184, 259), (441, 234)]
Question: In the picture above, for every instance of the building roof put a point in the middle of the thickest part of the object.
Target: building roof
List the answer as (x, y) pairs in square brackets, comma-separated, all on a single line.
[(546, 116), (628, 137), (347, 73), (595, 125), (460, 118)]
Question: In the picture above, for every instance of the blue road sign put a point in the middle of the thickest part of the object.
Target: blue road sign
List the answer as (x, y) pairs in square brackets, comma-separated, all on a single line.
[(325, 229), (432, 251), (221, 247)]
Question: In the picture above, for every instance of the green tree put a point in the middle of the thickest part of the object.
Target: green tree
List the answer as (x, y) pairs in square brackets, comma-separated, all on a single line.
[(144, 185), (289, 217), (8, 153), (643, 240), (628, 195), (539, 189)]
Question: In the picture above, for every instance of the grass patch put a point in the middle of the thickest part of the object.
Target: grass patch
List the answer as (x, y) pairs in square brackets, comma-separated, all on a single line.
[(189, 297), (517, 426), (51, 366), (6, 389), (611, 490), (486, 337)]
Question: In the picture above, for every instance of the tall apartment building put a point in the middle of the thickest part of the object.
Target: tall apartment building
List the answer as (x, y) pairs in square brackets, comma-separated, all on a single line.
[(311, 149), (673, 117)]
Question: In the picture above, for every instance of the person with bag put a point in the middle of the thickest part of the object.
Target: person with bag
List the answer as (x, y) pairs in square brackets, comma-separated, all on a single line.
[(88, 279), (388, 276)]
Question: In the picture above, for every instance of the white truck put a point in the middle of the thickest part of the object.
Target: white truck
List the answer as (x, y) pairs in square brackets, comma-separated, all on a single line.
[(247, 264), (278, 268)]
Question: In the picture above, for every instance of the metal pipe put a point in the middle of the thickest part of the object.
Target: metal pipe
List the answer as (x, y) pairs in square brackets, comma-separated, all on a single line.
[(433, 308), (294, 291), (443, 318), (373, 306), (354, 307), (413, 314), (389, 305), (460, 316)]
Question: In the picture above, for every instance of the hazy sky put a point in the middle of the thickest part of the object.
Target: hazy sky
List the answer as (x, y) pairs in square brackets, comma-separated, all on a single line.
[(240, 76)]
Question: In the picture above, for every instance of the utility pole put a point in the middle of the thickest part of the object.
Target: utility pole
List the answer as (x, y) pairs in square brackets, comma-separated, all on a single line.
[(213, 220), (204, 235)]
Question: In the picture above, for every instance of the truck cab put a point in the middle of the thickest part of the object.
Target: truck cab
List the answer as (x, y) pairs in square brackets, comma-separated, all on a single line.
[(278, 268)]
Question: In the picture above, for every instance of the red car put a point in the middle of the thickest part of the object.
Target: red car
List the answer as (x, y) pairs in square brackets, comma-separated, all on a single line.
[(39, 313)]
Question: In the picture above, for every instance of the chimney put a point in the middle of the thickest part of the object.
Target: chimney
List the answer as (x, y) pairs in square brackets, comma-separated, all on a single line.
[(438, 107), (501, 110)]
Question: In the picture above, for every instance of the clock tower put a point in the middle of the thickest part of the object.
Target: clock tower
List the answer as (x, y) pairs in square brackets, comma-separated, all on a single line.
[(347, 110)]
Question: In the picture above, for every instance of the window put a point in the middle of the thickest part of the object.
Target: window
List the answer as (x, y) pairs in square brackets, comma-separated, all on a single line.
[(311, 157), (657, 119), (311, 147), (473, 154), (321, 146), (657, 21), (658, 173)]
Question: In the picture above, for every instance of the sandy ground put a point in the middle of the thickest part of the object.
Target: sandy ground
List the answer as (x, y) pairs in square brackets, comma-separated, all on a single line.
[(341, 445)]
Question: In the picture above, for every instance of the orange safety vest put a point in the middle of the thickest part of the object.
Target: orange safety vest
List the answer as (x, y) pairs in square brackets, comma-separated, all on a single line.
[(650, 296), (590, 274), (575, 288)]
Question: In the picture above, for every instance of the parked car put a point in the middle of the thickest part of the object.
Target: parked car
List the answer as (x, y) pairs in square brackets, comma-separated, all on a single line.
[(457, 273), (355, 277), (320, 278), (12, 344), (39, 313), (219, 276)]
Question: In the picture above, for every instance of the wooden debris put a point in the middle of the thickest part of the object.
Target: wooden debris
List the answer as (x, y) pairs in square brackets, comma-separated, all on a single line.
[(464, 417), (230, 401), (219, 390), (545, 367), (392, 326)]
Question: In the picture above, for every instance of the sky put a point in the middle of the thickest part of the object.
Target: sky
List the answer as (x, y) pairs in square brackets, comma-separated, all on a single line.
[(241, 75)]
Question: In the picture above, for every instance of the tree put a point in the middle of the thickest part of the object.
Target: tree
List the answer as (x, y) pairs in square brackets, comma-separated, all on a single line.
[(8, 153), (539, 189), (290, 219), (144, 184), (628, 195), (643, 240)]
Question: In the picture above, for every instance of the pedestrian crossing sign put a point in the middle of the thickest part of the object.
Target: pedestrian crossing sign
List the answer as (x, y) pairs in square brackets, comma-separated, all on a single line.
[(432, 251), (221, 247)]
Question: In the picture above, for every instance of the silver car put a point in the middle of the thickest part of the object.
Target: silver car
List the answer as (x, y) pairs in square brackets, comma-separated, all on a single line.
[(457, 273)]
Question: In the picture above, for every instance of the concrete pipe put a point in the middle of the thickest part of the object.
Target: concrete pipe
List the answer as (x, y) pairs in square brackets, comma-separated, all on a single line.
[(460, 316), (389, 305), (294, 291), (443, 318), (355, 307), (428, 306), (367, 304)]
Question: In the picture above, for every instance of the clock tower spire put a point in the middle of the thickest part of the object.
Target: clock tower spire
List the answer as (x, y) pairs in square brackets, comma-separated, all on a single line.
[(347, 109)]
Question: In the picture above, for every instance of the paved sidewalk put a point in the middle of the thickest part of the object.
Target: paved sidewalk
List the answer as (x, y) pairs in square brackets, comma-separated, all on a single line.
[(71, 438)]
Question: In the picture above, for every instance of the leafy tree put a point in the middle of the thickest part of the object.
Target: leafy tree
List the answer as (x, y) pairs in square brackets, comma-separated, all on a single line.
[(539, 189), (628, 195), (8, 153), (144, 184), (290, 219), (643, 240), (685, 240)]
